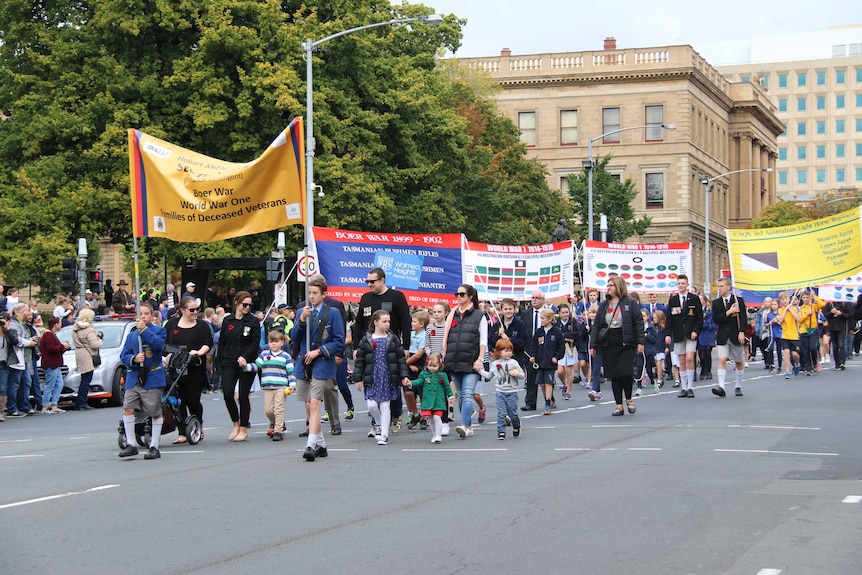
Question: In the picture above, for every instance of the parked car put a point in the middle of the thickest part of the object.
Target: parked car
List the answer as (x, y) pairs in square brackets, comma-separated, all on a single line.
[(109, 378)]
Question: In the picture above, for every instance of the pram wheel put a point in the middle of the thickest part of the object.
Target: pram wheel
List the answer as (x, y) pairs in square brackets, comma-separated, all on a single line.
[(121, 440), (194, 429), (143, 439)]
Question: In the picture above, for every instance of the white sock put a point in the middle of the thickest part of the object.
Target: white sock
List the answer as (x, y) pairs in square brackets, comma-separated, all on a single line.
[(385, 419), (129, 426), (739, 373), (722, 377), (157, 432), (312, 440), (437, 424), (320, 441), (374, 409)]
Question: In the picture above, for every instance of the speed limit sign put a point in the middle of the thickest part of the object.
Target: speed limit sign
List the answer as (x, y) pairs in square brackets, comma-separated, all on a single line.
[(306, 266)]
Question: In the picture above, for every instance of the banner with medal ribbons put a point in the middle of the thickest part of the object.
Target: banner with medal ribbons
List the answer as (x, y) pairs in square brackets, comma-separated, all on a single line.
[(650, 268)]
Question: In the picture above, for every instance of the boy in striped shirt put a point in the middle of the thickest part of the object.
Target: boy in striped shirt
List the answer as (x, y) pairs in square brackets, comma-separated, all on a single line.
[(276, 379)]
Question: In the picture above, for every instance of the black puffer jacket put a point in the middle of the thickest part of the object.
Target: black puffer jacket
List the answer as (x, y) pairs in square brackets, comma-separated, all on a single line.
[(633, 323), (363, 367)]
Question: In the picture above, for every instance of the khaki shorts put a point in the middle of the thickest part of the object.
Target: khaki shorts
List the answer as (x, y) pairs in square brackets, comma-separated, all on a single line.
[(685, 346), (735, 353), (306, 391), (147, 401)]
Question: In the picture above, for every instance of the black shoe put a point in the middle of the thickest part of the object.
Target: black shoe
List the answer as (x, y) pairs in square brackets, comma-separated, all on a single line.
[(683, 393), (841, 367), (304, 433), (516, 431), (277, 436), (718, 391), (738, 392), (308, 455), (85, 408), (129, 451), (336, 430), (690, 393), (423, 423), (320, 452), (414, 421), (528, 408), (153, 453)]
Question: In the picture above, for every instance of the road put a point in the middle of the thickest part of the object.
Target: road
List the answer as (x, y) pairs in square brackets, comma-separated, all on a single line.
[(767, 483)]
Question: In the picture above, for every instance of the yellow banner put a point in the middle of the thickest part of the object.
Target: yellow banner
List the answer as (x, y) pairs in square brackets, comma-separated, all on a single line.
[(188, 197), (809, 254)]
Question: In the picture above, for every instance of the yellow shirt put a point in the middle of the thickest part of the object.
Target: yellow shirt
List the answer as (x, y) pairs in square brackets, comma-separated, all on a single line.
[(789, 327), (809, 314)]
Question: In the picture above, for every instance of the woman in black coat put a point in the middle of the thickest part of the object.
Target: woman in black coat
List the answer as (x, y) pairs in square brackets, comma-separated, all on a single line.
[(619, 333)]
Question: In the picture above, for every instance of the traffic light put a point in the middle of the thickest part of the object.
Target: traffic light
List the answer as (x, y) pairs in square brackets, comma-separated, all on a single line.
[(68, 275), (95, 281)]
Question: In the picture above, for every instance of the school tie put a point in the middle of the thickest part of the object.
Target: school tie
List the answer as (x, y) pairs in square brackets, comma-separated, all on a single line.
[(536, 324), (726, 303)]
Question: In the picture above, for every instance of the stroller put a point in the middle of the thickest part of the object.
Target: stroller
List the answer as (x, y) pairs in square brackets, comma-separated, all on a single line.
[(171, 403)]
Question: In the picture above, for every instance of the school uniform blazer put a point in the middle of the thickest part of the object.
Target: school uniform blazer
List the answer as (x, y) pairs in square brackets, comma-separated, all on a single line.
[(729, 326), (684, 317)]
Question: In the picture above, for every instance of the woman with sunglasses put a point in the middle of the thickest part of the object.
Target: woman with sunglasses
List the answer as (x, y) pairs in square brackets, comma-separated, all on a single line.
[(195, 334), (238, 346), (464, 347)]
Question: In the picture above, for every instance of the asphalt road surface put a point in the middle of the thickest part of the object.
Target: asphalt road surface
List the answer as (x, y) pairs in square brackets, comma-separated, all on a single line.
[(763, 484)]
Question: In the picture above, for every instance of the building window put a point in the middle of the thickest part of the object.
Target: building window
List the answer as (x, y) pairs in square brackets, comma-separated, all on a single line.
[(859, 100), (564, 185), (840, 175), (821, 152), (801, 128), (839, 150), (839, 102), (820, 127), (568, 127), (859, 150), (801, 104), (745, 79), (655, 190), (782, 178), (859, 124), (821, 102), (801, 153), (611, 123), (859, 174), (527, 125), (821, 78), (782, 104), (859, 74), (801, 79), (782, 154), (654, 118), (802, 177), (782, 79), (821, 176), (839, 76), (839, 126)]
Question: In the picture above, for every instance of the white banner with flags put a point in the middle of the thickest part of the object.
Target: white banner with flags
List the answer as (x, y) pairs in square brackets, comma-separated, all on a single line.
[(849, 289), (516, 272), (646, 268)]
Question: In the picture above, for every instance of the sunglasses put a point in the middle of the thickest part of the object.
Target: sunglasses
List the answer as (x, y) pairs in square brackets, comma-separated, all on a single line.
[(193, 310), (461, 294), (371, 282), (245, 304)]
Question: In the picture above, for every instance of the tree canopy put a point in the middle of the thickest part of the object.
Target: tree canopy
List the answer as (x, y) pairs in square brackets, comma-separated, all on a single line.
[(610, 197), (402, 144)]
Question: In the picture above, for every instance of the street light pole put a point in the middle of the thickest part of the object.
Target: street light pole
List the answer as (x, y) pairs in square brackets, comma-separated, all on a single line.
[(707, 183), (590, 165)]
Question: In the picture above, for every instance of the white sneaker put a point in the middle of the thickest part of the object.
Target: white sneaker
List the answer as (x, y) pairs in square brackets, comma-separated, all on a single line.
[(461, 431), (445, 432), (436, 440), (383, 440), (469, 432)]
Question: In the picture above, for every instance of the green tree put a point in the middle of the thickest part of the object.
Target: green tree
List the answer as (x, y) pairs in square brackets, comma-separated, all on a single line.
[(610, 197), (783, 213)]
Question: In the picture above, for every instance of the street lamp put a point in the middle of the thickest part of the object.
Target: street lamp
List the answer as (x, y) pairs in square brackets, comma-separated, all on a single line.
[(707, 183), (308, 48), (590, 165)]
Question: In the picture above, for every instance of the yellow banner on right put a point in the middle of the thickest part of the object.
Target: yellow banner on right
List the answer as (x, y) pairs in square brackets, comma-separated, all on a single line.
[(801, 255)]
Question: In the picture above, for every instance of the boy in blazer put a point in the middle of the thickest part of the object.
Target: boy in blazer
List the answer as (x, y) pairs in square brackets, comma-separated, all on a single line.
[(686, 322), (731, 317)]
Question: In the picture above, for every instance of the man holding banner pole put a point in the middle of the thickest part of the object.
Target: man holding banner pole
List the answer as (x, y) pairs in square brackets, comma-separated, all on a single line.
[(729, 313), (686, 321)]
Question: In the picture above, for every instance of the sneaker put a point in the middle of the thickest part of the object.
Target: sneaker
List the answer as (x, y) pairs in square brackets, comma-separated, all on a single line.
[(152, 453), (568, 396), (786, 375), (819, 367), (413, 421), (17, 414), (516, 431), (445, 431), (738, 392), (547, 410), (655, 388), (349, 415), (277, 436), (461, 431), (373, 432), (501, 436), (376, 432), (588, 386), (271, 430), (553, 405), (639, 392), (599, 396), (508, 421), (325, 417), (436, 440), (593, 395), (396, 426), (676, 384), (481, 416), (423, 424), (384, 440)]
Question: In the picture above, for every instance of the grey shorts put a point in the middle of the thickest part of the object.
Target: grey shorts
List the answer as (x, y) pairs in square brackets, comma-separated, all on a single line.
[(147, 401), (314, 389), (685, 346), (735, 353)]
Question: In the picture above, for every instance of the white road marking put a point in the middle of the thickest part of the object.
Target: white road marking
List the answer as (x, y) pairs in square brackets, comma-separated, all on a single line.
[(769, 572), (19, 456), (776, 427), (183, 451), (328, 449), (454, 449), (643, 448), (80, 437), (15, 440), (612, 425), (59, 496), (543, 427), (606, 449), (852, 499), (769, 451)]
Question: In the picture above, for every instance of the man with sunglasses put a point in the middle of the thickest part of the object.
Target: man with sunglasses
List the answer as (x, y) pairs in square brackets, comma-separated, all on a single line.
[(393, 301)]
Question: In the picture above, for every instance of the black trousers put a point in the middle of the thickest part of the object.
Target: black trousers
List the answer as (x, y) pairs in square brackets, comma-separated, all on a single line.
[(622, 385), (190, 389), (230, 376)]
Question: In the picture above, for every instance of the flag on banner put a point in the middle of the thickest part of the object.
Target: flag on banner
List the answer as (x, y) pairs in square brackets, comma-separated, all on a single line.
[(188, 197), (517, 271), (650, 268), (808, 254)]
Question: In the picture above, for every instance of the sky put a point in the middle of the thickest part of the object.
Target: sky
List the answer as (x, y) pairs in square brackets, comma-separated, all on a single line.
[(542, 26)]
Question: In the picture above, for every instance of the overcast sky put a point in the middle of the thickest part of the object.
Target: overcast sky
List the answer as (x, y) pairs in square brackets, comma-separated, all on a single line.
[(540, 26)]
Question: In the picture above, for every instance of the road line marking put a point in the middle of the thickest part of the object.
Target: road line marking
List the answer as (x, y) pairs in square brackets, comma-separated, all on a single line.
[(776, 427), (608, 449), (455, 449), (20, 456), (15, 440), (80, 437), (589, 405), (612, 425), (573, 449), (769, 572), (328, 449), (769, 451), (183, 451), (852, 499), (61, 495), (543, 427), (644, 448)]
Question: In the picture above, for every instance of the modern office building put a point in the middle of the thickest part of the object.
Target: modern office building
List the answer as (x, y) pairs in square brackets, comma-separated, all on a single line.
[(815, 81), (561, 101)]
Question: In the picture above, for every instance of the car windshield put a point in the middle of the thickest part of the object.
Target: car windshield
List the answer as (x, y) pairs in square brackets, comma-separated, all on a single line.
[(112, 334)]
